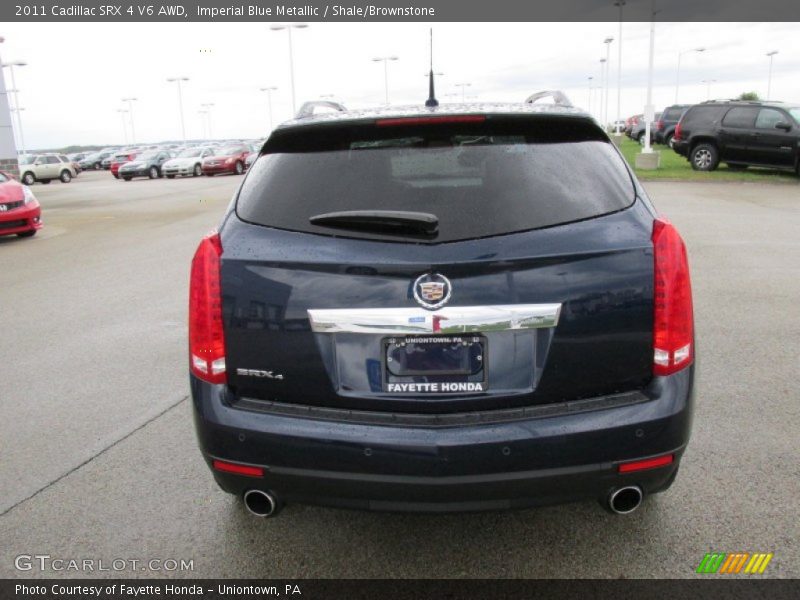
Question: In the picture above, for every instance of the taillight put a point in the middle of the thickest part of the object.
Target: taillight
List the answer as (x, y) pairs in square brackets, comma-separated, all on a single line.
[(206, 340), (677, 134), (660, 125), (673, 324)]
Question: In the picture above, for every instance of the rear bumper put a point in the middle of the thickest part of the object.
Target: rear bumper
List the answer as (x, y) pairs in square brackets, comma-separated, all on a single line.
[(20, 220), (681, 147), (509, 464)]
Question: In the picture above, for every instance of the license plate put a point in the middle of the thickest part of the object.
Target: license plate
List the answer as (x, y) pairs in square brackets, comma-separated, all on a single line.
[(434, 364)]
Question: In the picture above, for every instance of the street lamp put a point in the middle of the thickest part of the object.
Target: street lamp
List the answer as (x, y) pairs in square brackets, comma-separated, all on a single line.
[(678, 74), (122, 112), (180, 102), (708, 83), (589, 104), (130, 102), (769, 79), (463, 87), (385, 60), (269, 91), (11, 65), (207, 106), (607, 66), (620, 4), (288, 27)]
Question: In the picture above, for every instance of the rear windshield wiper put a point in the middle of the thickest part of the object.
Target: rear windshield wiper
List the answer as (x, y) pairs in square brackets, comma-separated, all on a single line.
[(381, 221)]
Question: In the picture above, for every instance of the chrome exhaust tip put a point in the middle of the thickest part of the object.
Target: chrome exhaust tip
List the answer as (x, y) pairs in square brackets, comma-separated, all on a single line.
[(261, 504), (625, 500)]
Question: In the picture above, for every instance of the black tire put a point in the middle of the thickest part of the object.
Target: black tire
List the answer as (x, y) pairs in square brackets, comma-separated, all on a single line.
[(65, 176), (97, 166), (238, 168), (28, 178), (127, 178), (704, 157), (735, 167), (668, 140), (198, 170), (170, 176), (25, 234), (153, 173), (640, 136)]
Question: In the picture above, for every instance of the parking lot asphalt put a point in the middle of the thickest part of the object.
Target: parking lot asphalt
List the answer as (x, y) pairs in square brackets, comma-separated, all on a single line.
[(99, 458)]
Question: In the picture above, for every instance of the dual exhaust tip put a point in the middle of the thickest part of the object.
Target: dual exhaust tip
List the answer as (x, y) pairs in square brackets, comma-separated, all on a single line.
[(621, 501)]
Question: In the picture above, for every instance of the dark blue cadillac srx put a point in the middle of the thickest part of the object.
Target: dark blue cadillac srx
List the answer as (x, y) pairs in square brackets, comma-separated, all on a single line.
[(441, 309)]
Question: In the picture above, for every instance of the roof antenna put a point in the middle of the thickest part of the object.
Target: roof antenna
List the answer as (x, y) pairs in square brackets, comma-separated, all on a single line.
[(431, 101)]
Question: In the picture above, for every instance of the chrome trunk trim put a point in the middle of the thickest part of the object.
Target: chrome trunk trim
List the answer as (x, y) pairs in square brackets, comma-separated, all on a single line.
[(447, 320)]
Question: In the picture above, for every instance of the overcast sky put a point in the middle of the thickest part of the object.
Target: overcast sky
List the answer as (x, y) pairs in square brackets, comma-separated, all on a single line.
[(77, 73)]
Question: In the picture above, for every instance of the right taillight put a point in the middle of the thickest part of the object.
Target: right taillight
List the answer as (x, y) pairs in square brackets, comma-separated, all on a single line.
[(660, 125), (673, 321), (206, 338), (678, 131)]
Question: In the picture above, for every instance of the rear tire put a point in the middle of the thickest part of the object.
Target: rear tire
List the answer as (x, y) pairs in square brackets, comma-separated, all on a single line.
[(668, 140), (25, 234), (198, 170), (152, 173), (65, 176), (239, 168), (704, 157), (28, 178), (96, 166)]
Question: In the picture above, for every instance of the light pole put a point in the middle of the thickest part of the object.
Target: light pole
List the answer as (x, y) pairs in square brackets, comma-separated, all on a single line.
[(620, 4), (463, 87), (385, 60), (208, 106), (708, 83), (649, 109), (607, 66), (589, 105), (269, 91), (11, 65), (122, 112), (130, 102), (288, 27), (678, 74), (203, 114), (178, 80), (769, 78)]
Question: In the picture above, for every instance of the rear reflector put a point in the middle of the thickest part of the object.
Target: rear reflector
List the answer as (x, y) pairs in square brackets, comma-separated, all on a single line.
[(650, 463), (206, 339), (245, 470), (673, 320), (407, 121)]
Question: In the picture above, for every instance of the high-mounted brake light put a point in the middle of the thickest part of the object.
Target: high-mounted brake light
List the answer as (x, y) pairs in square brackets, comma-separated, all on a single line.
[(445, 119), (673, 321), (649, 463), (206, 340), (247, 470)]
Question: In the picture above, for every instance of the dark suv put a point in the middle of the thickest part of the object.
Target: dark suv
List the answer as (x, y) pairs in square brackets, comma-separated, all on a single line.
[(441, 309), (665, 125), (740, 133)]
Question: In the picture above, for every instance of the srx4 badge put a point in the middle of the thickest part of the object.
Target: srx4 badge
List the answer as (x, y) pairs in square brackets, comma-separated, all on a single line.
[(259, 373)]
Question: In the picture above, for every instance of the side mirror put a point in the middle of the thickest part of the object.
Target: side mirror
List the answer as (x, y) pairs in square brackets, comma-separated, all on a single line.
[(783, 125)]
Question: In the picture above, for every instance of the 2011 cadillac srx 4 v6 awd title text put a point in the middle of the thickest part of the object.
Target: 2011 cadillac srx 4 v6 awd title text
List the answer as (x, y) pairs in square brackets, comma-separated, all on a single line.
[(456, 308)]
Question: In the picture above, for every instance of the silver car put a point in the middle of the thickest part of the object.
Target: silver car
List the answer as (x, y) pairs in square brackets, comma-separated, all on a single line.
[(188, 162)]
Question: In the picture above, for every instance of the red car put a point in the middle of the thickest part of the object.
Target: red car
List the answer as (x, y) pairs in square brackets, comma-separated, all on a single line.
[(229, 159), (118, 161), (20, 212)]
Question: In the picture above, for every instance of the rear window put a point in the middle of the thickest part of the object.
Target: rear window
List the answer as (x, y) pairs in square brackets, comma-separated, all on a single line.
[(479, 179)]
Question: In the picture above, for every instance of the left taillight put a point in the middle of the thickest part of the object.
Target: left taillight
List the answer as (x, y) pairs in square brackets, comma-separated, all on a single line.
[(206, 338)]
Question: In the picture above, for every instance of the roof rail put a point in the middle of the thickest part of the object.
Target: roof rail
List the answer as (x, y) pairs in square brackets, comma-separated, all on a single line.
[(307, 109), (559, 97)]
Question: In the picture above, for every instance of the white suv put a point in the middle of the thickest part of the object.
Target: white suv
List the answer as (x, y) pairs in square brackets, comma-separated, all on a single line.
[(45, 168)]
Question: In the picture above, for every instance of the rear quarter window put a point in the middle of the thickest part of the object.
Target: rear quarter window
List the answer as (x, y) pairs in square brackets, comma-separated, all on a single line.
[(480, 180)]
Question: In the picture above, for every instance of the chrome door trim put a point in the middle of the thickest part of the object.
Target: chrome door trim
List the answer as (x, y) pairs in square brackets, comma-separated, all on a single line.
[(447, 320)]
